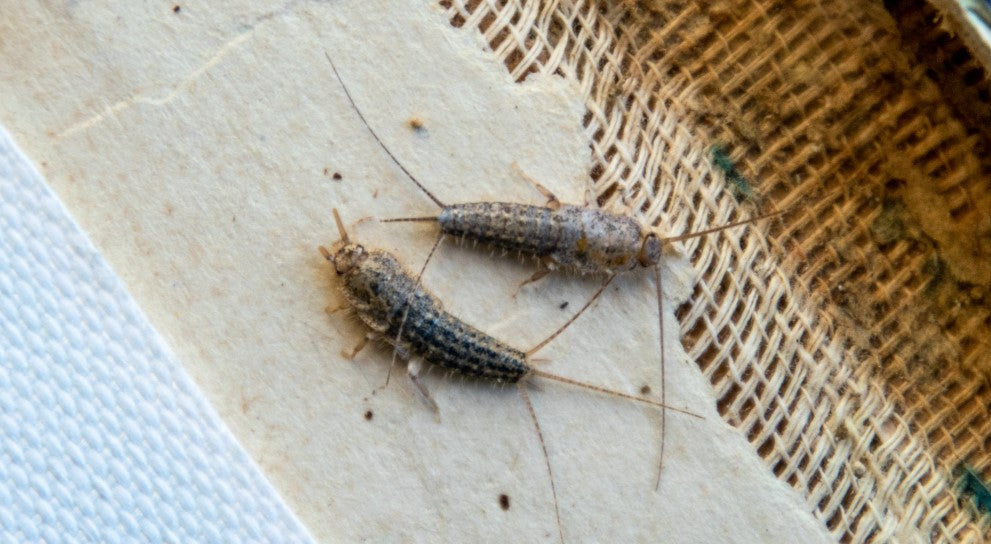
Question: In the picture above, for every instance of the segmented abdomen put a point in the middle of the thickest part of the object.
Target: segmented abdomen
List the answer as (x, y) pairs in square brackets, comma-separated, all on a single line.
[(382, 292), (532, 230), (583, 240)]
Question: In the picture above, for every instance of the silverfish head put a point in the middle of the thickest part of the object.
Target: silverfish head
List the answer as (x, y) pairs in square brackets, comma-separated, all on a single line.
[(650, 250), (345, 256)]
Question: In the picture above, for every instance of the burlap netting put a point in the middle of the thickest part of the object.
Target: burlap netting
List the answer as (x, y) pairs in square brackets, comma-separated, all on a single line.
[(846, 339)]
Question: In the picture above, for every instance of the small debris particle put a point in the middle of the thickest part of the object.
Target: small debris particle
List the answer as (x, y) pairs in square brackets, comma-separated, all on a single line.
[(563, 305), (176, 8), (416, 123), (971, 485), (894, 185), (741, 188), (888, 226), (504, 501), (369, 415), (935, 268), (645, 390), (337, 176)]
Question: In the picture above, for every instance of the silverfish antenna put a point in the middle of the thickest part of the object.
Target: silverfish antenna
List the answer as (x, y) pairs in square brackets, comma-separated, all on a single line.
[(376, 136)]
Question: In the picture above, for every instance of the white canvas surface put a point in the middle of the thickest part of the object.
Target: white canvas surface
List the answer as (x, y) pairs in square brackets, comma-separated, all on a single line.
[(103, 437)]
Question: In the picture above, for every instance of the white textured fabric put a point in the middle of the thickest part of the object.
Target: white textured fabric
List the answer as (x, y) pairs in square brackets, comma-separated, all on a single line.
[(103, 437)]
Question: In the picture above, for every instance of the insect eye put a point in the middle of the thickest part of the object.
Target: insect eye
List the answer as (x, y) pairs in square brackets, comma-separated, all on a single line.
[(650, 251)]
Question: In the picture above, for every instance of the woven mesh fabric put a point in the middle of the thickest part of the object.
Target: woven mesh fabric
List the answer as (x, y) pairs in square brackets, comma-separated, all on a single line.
[(847, 338), (103, 437)]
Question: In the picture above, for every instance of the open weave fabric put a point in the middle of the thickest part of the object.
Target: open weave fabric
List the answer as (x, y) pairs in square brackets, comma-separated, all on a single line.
[(846, 338)]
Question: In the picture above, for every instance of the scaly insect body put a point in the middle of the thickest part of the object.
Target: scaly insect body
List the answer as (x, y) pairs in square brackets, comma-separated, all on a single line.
[(574, 238), (391, 303)]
